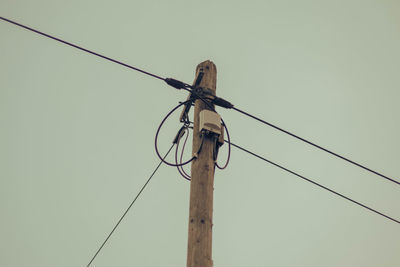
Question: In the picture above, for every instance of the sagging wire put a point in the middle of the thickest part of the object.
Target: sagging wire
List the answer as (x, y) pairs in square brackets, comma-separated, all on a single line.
[(178, 136), (215, 100), (219, 144), (221, 102), (184, 130), (181, 170)]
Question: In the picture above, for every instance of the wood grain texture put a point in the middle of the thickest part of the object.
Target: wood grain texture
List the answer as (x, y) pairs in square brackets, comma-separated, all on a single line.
[(202, 183)]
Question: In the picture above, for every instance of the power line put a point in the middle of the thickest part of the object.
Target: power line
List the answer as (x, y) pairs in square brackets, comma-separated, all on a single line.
[(170, 81), (317, 146), (81, 48), (129, 207), (218, 101), (226, 104), (315, 183)]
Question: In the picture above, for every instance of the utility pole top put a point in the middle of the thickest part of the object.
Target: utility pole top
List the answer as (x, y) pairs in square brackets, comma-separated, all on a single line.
[(202, 177), (208, 67)]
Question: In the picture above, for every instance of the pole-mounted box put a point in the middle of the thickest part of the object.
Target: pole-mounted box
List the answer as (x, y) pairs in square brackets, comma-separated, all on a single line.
[(210, 121)]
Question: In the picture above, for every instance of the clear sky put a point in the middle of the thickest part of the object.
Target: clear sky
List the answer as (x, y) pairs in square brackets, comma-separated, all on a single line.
[(77, 132)]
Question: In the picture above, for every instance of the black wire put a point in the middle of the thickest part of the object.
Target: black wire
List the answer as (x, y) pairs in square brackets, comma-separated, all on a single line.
[(317, 146), (186, 86), (180, 84), (158, 131), (181, 171), (315, 183), (223, 123), (181, 158), (81, 48), (216, 148), (229, 149), (180, 165), (129, 207)]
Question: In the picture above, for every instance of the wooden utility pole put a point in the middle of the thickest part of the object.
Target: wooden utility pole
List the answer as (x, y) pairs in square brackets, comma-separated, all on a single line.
[(202, 182)]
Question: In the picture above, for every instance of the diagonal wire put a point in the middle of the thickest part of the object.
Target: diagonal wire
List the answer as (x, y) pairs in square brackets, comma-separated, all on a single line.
[(181, 85), (315, 183), (129, 207), (317, 146), (81, 48)]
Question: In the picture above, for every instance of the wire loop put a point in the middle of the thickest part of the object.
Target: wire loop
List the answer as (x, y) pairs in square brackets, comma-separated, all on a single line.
[(223, 123), (181, 171), (158, 131)]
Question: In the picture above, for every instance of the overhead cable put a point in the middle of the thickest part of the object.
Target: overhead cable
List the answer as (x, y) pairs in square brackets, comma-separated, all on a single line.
[(87, 50), (313, 182), (317, 146), (129, 207), (215, 100)]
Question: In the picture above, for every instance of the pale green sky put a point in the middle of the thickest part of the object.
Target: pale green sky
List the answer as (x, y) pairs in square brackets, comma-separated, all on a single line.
[(77, 132)]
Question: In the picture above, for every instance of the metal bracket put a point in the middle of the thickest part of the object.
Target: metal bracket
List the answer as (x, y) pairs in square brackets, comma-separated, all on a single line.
[(184, 114)]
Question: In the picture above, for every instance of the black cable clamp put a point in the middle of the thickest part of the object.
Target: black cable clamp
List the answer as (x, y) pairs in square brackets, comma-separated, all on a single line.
[(176, 83), (207, 93), (199, 92)]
